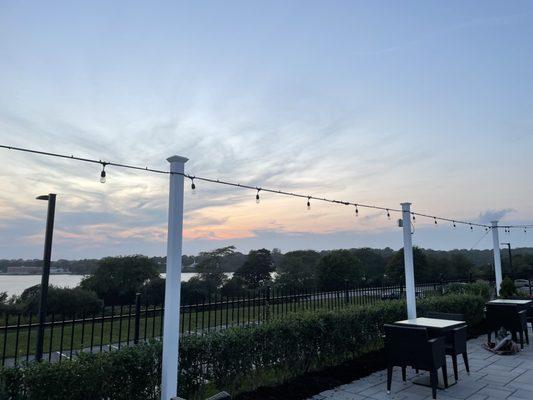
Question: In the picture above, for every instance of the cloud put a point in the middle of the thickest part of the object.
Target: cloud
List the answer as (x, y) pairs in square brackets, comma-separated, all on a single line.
[(493, 215)]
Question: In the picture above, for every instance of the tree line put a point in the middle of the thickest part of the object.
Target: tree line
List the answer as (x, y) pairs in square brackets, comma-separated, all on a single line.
[(117, 280)]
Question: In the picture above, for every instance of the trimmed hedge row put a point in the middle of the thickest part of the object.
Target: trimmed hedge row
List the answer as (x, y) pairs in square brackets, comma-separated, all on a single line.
[(234, 359)]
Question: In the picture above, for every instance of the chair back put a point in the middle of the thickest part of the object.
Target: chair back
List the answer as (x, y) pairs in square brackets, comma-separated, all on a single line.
[(403, 344)]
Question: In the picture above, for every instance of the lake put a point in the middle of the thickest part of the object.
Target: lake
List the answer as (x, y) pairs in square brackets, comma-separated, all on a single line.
[(15, 284)]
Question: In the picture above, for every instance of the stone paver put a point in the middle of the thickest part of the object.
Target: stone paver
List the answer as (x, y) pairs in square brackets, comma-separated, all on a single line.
[(492, 377)]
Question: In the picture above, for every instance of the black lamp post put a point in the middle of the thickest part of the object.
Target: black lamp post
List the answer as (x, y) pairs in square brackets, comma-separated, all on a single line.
[(51, 198)]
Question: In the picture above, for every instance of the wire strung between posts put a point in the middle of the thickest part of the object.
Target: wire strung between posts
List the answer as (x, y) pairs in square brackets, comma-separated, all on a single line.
[(258, 188)]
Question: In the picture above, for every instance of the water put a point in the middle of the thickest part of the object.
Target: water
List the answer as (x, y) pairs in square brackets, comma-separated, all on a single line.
[(16, 284)]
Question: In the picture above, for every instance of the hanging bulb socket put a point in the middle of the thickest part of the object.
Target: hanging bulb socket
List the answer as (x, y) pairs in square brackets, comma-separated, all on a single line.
[(414, 218), (103, 174), (309, 203), (257, 200), (454, 226), (471, 227), (435, 220), (356, 211), (193, 185), (388, 214)]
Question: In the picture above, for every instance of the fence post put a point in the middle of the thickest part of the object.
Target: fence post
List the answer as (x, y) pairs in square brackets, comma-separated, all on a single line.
[(137, 318)]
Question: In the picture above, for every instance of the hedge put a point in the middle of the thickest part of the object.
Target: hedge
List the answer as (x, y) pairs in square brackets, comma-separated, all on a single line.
[(234, 359)]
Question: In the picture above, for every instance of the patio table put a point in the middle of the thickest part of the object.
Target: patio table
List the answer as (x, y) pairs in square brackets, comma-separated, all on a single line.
[(521, 304), (436, 327)]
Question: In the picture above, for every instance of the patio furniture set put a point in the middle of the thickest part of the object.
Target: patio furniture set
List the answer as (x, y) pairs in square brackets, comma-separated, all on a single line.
[(423, 343)]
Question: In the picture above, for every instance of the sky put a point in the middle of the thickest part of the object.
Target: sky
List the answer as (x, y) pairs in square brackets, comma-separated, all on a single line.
[(376, 102)]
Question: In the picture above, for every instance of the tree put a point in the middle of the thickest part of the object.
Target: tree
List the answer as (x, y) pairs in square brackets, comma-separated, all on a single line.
[(118, 279), (373, 264), (153, 291), (395, 270), (507, 288), (338, 269), (60, 301), (255, 272), (297, 270), (210, 267), (461, 266)]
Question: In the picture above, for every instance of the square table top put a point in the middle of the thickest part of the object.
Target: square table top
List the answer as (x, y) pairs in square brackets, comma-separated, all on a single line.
[(510, 301), (431, 323)]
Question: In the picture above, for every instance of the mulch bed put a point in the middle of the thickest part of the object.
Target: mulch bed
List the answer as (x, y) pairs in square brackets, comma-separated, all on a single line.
[(312, 383)]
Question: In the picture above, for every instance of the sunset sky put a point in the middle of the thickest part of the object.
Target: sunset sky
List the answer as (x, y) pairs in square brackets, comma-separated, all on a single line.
[(372, 102)]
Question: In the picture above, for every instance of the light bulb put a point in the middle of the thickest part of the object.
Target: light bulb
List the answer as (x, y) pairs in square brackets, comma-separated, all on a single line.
[(193, 186), (257, 198), (102, 175), (308, 203), (388, 214), (356, 211)]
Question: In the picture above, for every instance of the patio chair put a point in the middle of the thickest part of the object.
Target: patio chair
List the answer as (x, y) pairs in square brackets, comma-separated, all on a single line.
[(455, 340), (410, 346), (508, 317)]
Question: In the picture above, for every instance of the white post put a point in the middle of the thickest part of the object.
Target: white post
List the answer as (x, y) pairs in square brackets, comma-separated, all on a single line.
[(497, 257), (169, 378), (408, 261)]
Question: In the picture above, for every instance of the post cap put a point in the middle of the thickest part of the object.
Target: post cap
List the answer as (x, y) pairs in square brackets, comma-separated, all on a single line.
[(174, 159)]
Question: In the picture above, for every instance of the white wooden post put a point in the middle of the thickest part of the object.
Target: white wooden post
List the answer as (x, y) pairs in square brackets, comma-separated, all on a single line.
[(408, 261), (169, 378), (497, 256)]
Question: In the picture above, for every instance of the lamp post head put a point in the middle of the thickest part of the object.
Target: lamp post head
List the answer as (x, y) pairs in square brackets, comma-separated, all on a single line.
[(43, 197)]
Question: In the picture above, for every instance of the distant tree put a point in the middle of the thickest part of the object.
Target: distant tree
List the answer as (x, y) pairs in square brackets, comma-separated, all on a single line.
[(210, 267), (338, 269), (153, 291), (373, 264), (117, 279), (60, 301), (297, 269), (255, 272), (461, 266), (234, 287), (395, 270)]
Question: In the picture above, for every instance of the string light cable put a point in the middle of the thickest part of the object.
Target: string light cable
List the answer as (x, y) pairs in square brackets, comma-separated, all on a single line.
[(258, 189)]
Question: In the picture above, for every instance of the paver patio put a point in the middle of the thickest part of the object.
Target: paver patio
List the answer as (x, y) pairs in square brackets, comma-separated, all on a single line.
[(492, 377)]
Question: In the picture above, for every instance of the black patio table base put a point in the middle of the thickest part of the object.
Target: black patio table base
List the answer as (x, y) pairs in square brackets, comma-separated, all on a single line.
[(423, 380)]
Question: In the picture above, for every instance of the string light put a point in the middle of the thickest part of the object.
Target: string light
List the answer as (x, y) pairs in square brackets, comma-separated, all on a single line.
[(228, 183), (193, 185), (471, 228), (102, 174), (454, 226), (257, 196), (414, 219), (388, 214)]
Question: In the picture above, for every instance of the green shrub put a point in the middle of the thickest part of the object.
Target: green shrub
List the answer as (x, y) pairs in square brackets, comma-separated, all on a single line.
[(479, 288), (507, 288), (234, 359)]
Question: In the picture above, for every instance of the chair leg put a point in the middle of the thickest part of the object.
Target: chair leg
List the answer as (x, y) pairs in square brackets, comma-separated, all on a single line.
[(389, 377), (445, 374), (465, 359), (526, 334), (521, 333), (433, 379), (404, 373), (454, 363)]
